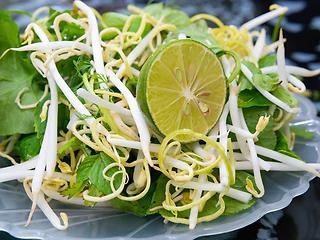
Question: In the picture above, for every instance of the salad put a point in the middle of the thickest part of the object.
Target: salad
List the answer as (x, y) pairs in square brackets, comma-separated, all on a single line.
[(152, 112)]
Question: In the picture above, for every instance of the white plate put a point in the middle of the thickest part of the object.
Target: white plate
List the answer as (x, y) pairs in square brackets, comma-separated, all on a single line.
[(97, 223)]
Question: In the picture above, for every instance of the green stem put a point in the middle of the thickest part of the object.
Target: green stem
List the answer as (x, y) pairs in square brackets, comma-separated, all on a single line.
[(18, 11), (237, 66), (275, 34), (111, 123), (86, 83)]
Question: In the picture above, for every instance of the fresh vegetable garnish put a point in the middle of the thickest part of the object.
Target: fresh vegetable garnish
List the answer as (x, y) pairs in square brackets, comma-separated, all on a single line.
[(151, 112), (182, 86)]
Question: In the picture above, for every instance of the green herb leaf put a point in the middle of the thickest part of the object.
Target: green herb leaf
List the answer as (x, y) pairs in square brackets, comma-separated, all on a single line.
[(134, 27), (131, 84), (70, 74), (302, 132), (290, 154), (28, 147), (75, 190), (94, 192), (251, 98), (172, 15), (281, 93), (113, 19), (282, 141), (159, 194), (267, 61), (40, 126), (267, 138), (265, 81), (197, 31), (139, 207), (16, 73), (92, 168), (69, 31), (245, 83), (73, 142), (232, 206)]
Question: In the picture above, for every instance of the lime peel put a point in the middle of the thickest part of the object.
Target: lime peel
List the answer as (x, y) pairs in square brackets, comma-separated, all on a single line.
[(183, 83)]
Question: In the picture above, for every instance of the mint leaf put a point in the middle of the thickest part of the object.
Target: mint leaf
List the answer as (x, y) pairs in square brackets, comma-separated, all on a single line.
[(94, 192), (28, 146), (232, 206), (267, 61), (251, 98), (40, 126), (92, 168), (85, 166), (290, 154), (16, 73), (245, 83), (159, 195), (139, 207), (265, 81), (267, 138), (281, 93), (282, 141)]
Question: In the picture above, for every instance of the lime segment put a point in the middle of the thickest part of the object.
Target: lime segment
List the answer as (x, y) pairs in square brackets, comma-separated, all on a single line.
[(182, 86)]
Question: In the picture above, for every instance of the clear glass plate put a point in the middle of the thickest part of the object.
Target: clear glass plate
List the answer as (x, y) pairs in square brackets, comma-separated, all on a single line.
[(107, 223)]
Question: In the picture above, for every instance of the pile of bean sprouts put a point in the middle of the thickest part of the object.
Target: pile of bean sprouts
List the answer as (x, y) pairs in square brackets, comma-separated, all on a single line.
[(129, 129)]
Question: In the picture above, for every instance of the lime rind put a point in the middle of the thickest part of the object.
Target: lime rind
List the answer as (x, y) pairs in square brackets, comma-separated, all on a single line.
[(193, 72)]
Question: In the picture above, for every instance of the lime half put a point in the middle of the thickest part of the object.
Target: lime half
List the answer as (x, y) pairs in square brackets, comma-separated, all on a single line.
[(182, 86)]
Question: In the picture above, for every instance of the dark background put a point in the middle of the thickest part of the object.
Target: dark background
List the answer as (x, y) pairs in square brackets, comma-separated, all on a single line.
[(300, 220)]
